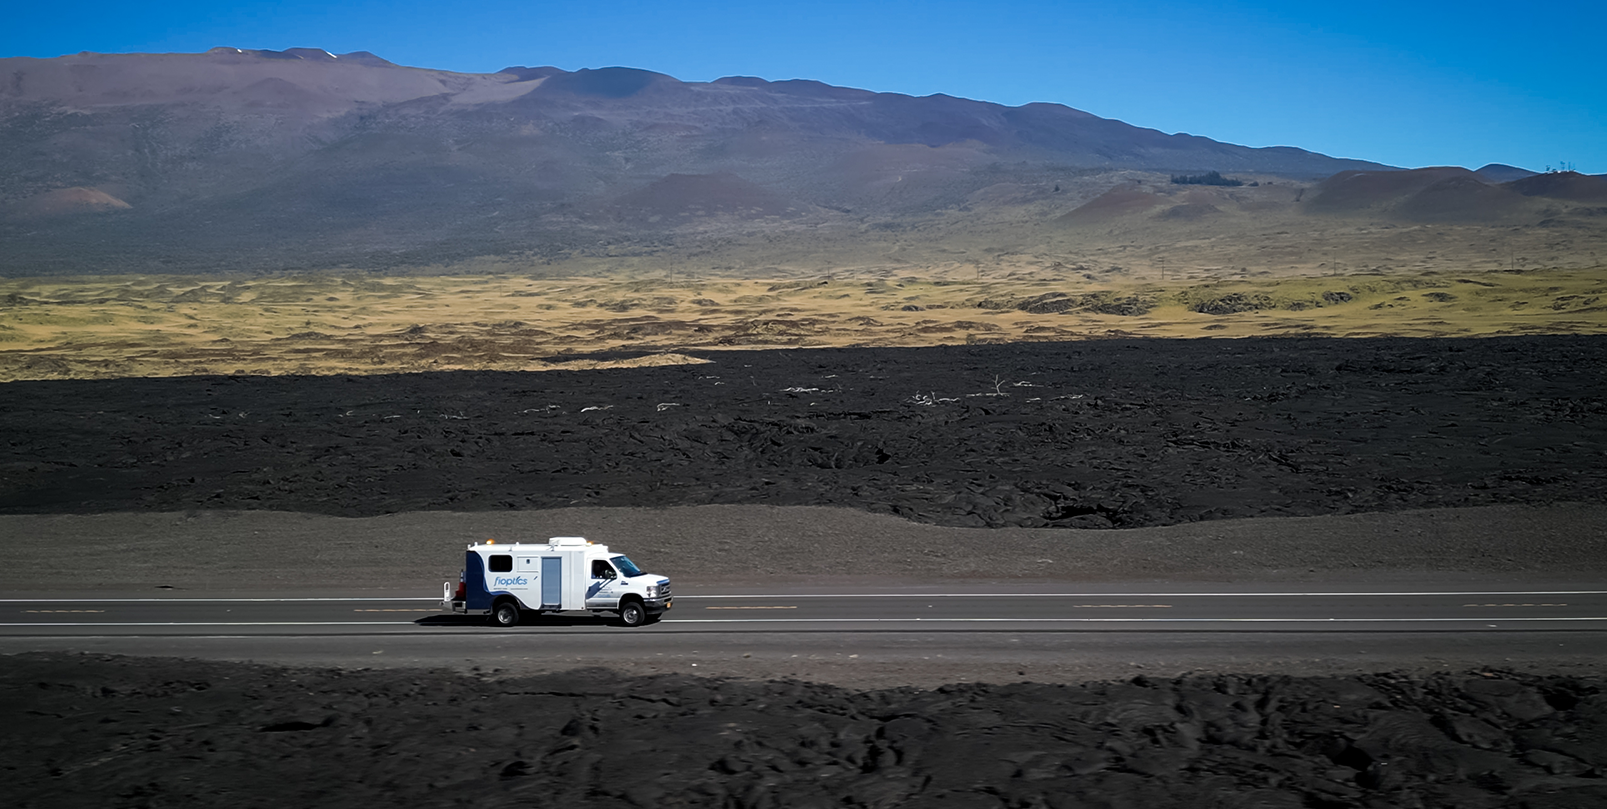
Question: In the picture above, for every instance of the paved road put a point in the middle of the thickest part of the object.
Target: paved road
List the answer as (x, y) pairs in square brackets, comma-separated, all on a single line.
[(864, 638), (1068, 610)]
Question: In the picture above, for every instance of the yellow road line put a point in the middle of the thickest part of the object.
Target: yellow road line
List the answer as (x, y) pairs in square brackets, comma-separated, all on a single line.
[(750, 608)]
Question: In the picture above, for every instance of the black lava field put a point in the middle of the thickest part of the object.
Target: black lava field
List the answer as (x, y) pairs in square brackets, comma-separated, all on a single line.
[(90, 731), (1098, 434)]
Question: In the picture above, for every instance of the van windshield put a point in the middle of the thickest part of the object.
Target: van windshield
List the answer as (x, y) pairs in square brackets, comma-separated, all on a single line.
[(626, 566)]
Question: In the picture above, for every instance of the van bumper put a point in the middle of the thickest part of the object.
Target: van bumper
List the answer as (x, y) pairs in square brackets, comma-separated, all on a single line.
[(657, 605)]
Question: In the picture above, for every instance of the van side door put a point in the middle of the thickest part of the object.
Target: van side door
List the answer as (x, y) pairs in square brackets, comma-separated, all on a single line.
[(601, 590)]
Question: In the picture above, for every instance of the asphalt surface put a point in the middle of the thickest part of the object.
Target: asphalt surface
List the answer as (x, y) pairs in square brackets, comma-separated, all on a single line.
[(863, 637), (1473, 610)]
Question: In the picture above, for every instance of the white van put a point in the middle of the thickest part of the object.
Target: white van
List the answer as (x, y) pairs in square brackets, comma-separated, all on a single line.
[(506, 580)]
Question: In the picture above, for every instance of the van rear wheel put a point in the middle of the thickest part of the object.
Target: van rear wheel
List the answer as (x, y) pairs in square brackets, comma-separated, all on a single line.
[(505, 614), (632, 613)]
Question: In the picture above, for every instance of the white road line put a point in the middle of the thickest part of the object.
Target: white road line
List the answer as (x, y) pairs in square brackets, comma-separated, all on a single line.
[(679, 596), (224, 623), (782, 596), (197, 600), (881, 621), (1114, 620), (262, 638)]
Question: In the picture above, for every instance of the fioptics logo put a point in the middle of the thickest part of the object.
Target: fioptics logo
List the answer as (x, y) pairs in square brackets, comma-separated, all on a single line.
[(511, 581)]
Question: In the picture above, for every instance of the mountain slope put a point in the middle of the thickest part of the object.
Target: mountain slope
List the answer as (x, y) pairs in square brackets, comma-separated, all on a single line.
[(273, 160)]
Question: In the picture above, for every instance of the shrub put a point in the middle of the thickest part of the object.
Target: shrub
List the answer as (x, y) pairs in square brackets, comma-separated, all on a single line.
[(1208, 178)]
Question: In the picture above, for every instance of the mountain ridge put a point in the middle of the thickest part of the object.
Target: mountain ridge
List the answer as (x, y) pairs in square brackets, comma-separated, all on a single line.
[(272, 160)]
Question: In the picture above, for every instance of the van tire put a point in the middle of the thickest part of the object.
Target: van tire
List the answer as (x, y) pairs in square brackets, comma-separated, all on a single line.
[(505, 613), (632, 613)]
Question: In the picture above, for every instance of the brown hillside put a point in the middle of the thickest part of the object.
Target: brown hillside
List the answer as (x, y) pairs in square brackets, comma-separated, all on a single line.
[(1569, 185), (1351, 192), (1461, 199), (303, 158), (1189, 211), (1431, 195), (690, 195), (1120, 201)]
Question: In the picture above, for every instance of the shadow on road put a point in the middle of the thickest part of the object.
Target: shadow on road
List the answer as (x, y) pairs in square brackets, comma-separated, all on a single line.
[(527, 620)]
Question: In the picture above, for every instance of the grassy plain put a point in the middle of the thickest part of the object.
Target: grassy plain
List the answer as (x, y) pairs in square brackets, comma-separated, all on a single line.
[(135, 326)]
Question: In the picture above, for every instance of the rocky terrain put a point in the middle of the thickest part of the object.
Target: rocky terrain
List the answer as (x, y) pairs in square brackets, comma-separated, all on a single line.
[(1105, 433), (90, 731)]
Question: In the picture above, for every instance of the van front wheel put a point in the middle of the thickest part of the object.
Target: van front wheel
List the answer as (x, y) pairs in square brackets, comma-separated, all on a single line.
[(632, 613), (505, 614)]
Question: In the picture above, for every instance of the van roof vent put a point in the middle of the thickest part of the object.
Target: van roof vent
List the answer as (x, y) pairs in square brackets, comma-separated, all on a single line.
[(567, 541)]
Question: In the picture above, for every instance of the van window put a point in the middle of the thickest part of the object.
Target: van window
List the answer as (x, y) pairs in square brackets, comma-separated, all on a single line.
[(626, 566), (502, 563)]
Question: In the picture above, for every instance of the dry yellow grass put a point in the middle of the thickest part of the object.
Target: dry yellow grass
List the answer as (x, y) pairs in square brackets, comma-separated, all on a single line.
[(168, 326)]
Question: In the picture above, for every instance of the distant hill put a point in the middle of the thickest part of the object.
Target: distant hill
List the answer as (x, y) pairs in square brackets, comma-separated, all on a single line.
[(1419, 195), (1569, 185), (1502, 173), (1438, 195), (270, 160), (1453, 195)]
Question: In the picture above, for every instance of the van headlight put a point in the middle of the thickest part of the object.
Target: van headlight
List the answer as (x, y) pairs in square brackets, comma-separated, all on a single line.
[(652, 591)]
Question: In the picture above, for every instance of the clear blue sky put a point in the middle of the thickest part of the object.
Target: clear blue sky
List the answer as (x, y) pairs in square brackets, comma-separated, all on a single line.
[(1405, 83)]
